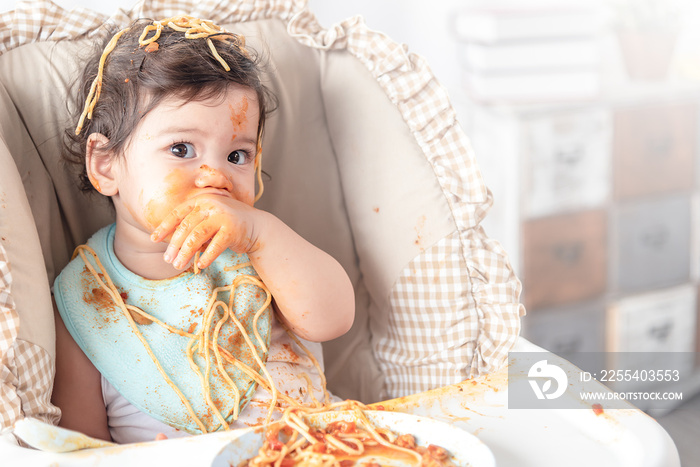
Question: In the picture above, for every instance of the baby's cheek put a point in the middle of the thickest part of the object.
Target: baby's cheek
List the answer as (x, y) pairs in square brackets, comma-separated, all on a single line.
[(245, 193), (164, 200), (157, 209), (248, 198)]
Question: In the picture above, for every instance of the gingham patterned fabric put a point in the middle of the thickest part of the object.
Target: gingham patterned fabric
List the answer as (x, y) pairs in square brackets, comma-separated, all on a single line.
[(26, 370), (9, 324), (42, 20), (464, 284), (454, 311)]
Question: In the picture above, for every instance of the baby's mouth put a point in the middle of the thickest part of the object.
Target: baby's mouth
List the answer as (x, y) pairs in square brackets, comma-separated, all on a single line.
[(214, 191)]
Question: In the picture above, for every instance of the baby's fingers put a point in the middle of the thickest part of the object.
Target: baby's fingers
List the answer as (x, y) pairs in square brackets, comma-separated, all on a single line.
[(194, 241), (172, 221), (182, 233), (216, 246)]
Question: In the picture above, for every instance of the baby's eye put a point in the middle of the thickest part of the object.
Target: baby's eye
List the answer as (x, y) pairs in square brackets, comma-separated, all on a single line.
[(238, 157), (184, 150)]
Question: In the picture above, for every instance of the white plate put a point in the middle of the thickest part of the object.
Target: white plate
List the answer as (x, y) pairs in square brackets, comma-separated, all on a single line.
[(465, 449)]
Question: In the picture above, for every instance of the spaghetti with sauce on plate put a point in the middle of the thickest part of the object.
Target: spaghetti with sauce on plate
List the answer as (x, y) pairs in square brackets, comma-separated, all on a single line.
[(346, 439)]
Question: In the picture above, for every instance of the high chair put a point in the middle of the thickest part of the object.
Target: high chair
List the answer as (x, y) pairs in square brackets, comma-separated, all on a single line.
[(365, 159)]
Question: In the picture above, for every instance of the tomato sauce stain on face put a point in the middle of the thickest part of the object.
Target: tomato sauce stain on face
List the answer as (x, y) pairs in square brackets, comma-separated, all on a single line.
[(239, 117), (162, 204), (207, 170)]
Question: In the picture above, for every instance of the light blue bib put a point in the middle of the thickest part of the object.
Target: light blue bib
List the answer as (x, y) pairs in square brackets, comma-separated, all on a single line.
[(102, 331)]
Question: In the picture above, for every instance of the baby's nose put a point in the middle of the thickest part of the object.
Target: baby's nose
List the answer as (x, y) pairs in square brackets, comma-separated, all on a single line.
[(211, 177)]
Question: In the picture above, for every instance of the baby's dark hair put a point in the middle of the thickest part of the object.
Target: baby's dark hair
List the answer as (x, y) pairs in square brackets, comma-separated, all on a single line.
[(137, 78)]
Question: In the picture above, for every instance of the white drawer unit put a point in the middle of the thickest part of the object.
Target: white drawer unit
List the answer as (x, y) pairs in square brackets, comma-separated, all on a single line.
[(568, 161), (662, 321), (651, 332)]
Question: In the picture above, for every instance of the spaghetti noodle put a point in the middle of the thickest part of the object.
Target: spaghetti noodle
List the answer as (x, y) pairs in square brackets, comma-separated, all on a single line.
[(203, 341), (193, 28)]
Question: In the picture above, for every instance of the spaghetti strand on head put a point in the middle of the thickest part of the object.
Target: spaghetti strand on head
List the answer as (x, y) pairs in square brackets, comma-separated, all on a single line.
[(96, 87), (193, 28)]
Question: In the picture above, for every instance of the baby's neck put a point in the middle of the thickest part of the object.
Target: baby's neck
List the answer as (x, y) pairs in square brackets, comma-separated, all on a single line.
[(135, 250)]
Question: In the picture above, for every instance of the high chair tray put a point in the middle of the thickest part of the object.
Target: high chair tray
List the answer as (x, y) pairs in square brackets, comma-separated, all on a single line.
[(544, 437), (517, 438)]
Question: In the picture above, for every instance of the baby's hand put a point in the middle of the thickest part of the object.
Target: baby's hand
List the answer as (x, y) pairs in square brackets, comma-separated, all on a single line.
[(212, 220)]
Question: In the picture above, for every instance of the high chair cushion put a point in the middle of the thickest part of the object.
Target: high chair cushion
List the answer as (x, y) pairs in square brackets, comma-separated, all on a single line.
[(365, 159), (26, 351)]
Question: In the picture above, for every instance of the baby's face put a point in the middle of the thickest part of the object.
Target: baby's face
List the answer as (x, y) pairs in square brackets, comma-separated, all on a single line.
[(180, 150)]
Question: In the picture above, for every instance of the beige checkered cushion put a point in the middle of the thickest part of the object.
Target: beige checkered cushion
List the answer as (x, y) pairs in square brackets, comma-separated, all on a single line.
[(9, 325), (26, 370), (366, 160)]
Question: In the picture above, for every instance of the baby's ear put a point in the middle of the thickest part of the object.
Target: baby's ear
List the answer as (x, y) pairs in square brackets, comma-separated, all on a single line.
[(100, 165)]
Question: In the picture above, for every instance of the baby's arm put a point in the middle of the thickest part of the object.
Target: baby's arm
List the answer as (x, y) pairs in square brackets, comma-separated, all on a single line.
[(77, 388), (311, 289)]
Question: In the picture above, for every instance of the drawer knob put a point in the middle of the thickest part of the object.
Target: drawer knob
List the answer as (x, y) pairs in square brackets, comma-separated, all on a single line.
[(659, 147), (569, 156), (569, 254), (655, 237), (662, 331)]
